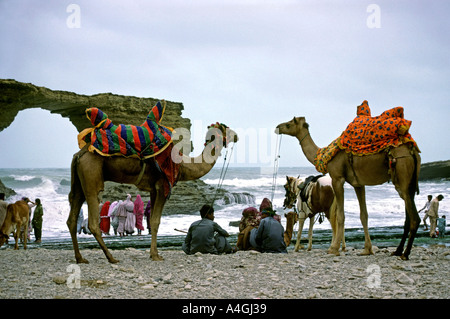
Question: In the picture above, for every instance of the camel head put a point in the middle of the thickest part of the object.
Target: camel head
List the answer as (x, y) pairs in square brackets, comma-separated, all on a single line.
[(221, 135), (295, 127), (292, 191), (292, 216), (3, 238)]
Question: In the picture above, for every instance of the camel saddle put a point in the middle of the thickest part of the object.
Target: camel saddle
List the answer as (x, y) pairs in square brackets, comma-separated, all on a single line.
[(108, 139), (368, 135), (304, 186), (151, 139)]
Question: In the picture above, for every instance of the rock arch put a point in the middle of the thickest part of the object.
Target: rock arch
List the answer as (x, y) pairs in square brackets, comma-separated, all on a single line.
[(17, 96)]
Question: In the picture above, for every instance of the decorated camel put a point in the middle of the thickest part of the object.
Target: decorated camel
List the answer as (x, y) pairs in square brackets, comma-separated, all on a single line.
[(313, 196), (157, 173), (389, 153)]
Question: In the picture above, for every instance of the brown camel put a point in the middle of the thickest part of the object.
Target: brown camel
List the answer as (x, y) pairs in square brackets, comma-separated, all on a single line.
[(243, 242), (321, 200), (291, 220), (360, 171), (17, 216), (90, 170)]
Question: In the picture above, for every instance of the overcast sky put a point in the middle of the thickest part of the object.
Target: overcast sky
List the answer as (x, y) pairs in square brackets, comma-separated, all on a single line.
[(247, 63)]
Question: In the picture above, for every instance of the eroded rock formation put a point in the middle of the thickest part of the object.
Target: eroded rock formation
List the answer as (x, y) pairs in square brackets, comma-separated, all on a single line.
[(17, 96)]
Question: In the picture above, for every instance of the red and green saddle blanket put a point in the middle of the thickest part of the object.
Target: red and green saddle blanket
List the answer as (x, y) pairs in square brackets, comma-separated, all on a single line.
[(368, 135), (109, 139)]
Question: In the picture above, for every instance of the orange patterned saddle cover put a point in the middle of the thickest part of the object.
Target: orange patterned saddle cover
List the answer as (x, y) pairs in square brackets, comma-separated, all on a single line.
[(368, 135)]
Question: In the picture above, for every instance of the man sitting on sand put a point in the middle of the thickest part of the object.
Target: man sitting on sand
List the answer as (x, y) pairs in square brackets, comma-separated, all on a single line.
[(200, 237), (269, 236)]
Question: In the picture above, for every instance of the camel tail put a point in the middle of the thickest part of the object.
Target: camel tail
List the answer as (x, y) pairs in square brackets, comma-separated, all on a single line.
[(414, 187), (75, 183)]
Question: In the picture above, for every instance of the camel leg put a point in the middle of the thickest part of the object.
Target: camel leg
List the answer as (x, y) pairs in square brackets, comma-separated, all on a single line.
[(25, 235), (76, 200), (158, 200), (406, 229), (16, 236), (88, 175), (412, 222), (310, 232), (301, 222), (361, 194), (338, 187), (406, 173), (94, 226)]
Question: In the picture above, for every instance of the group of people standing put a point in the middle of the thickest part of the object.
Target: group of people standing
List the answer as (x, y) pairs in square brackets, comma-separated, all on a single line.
[(124, 216), (431, 211)]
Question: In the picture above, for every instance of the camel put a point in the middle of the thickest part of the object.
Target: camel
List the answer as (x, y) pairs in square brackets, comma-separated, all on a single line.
[(17, 216), (90, 170), (291, 220), (402, 167), (321, 200)]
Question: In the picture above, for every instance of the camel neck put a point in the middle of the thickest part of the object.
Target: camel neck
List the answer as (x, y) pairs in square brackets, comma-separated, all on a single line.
[(308, 146), (194, 168)]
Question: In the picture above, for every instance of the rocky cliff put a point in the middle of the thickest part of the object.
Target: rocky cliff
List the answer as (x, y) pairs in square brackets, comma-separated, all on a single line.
[(435, 170), (17, 96)]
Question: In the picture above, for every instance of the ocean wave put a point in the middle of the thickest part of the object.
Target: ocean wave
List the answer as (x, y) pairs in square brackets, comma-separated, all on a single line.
[(21, 181), (244, 183)]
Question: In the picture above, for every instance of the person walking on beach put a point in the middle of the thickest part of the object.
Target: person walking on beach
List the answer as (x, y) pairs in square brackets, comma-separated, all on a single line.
[(105, 222), (201, 238), (37, 220), (122, 217), (427, 208), (147, 214), (139, 213), (130, 222), (80, 220), (269, 236), (112, 213), (433, 213)]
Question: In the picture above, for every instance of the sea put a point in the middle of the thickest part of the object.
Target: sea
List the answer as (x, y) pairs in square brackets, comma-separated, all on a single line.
[(385, 207)]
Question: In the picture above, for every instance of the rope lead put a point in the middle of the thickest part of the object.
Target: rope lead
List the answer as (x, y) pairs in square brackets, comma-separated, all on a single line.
[(275, 166), (223, 172)]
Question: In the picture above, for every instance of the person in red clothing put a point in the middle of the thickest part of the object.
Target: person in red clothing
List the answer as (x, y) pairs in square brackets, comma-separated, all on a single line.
[(139, 213), (105, 222)]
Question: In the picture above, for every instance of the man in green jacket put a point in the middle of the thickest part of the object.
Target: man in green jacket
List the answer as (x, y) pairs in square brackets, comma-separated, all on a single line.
[(37, 220)]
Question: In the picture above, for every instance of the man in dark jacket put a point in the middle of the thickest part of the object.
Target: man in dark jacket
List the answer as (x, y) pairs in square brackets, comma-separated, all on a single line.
[(200, 237), (269, 236)]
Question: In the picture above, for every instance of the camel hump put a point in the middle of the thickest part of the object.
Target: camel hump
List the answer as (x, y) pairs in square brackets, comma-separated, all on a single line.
[(97, 117), (156, 113)]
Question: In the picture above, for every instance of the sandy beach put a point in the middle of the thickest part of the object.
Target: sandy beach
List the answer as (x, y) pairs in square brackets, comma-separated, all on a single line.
[(53, 274)]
